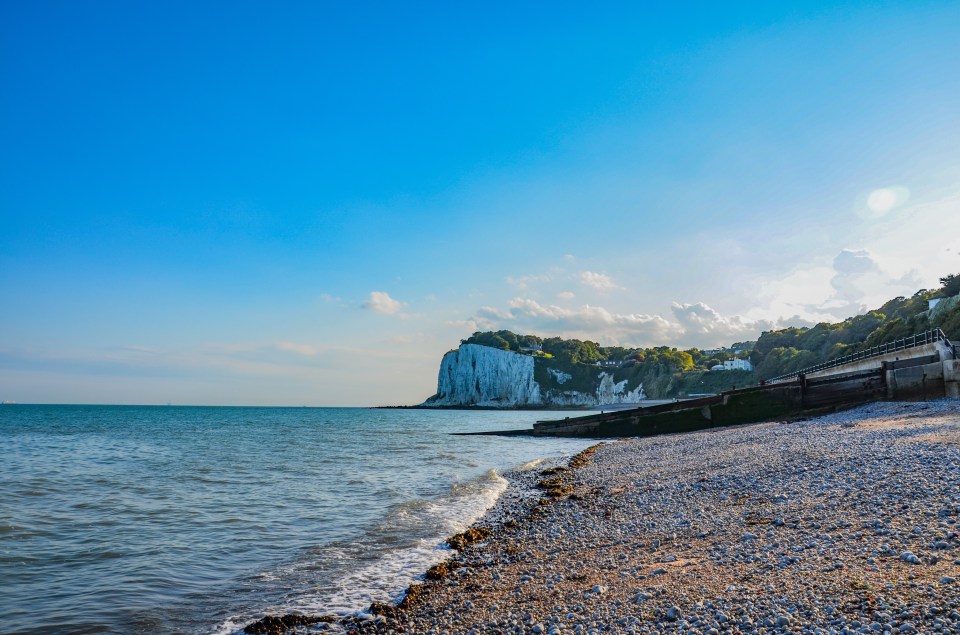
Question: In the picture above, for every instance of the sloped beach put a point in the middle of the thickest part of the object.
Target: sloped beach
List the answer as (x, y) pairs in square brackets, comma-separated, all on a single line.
[(845, 523)]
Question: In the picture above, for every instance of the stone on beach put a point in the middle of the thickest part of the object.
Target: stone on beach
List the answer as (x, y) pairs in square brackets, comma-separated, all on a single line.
[(846, 523)]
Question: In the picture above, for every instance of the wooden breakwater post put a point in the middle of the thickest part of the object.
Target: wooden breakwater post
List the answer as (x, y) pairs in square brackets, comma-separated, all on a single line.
[(747, 405)]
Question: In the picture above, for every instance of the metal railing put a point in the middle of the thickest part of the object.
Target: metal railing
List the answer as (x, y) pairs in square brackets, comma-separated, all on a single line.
[(920, 339)]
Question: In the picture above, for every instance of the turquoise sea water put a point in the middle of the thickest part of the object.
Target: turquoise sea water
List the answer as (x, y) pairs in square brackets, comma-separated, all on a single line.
[(123, 519)]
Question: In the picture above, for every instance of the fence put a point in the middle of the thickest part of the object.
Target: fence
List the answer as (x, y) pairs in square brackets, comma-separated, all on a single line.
[(920, 339)]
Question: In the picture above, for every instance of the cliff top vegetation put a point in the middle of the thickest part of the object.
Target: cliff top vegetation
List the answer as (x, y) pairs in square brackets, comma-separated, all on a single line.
[(665, 370)]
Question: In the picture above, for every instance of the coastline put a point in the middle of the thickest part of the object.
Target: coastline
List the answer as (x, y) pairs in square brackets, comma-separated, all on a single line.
[(844, 522), (534, 407)]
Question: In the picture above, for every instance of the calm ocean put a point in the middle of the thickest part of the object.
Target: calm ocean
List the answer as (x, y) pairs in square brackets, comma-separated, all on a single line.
[(126, 519)]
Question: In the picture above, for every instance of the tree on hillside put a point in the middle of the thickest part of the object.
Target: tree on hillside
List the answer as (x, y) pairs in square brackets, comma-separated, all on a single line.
[(504, 340), (951, 323), (951, 285), (573, 351), (529, 341)]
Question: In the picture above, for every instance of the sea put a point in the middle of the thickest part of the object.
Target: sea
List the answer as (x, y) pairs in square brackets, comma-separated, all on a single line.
[(200, 520)]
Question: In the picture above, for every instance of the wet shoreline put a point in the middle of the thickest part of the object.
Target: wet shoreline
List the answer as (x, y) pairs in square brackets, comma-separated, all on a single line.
[(844, 523)]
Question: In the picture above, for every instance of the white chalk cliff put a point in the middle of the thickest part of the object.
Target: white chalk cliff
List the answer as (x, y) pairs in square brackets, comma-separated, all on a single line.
[(476, 375)]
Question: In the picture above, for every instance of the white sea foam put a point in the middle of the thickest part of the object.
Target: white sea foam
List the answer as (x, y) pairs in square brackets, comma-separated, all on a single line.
[(531, 465), (269, 509), (389, 570)]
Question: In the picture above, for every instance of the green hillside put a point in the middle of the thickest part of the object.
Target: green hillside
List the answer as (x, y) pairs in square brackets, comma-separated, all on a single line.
[(667, 372), (788, 350)]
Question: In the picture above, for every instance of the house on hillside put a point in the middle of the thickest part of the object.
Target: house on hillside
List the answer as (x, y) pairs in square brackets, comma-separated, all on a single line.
[(734, 364)]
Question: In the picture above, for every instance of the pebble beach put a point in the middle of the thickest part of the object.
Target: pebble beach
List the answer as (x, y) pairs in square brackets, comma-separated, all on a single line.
[(845, 523)]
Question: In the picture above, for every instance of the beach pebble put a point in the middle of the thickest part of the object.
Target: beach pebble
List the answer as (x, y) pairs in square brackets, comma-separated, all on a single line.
[(802, 527), (908, 556)]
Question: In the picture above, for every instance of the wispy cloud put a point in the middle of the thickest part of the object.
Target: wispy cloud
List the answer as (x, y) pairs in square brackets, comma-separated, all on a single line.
[(524, 282), (704, 326), (598, 281), (591, 322), (695, 324), (381, 302), (300, 349), (330, 299)]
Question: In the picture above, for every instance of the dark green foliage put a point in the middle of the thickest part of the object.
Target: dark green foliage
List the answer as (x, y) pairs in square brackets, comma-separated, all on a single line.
[(528, 341), (950, 323), (666, 372), (573, 351), (494, 340), (784, 338), (785, 360), (893, 330), (951, 285), (788, 350), (743, 347), (583, 377)]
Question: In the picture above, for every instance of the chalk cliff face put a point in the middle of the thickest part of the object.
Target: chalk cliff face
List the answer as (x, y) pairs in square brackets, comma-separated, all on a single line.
[(477, 375)]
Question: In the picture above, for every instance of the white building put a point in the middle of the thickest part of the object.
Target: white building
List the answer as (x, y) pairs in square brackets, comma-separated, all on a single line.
[(734, 364)]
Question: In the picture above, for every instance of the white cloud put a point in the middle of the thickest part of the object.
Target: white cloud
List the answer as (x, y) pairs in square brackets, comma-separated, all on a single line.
[(804, 292), (587, 322), (860, 283), (599, 281), (920, 240), (566, 295), (523, 282), (694, 324), (381, 302), (704, 326), (301, 349)]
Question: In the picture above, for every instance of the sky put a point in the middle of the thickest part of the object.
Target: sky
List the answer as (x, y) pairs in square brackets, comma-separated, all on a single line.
[(309, 203)]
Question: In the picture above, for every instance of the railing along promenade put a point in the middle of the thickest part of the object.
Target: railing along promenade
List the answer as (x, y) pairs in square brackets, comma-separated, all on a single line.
[(920, 339)]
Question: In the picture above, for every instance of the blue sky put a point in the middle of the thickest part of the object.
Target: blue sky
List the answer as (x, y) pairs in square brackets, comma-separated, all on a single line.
[(245, 203)]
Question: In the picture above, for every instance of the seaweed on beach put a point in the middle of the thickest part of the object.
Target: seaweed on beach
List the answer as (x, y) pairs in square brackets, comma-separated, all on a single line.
[(553, 470), (557, 487), (414, 593), (381, 608), (583, 458), (442, 569), (466, 538), (273, 624)]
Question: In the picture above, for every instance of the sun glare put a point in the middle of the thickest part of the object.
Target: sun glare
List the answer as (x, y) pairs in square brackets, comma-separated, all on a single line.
[(883, 200)]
